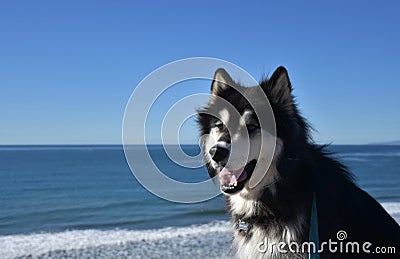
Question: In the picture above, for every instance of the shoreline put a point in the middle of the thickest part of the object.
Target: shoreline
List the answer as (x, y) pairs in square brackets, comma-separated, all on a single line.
[(210, 240), (191, 241)]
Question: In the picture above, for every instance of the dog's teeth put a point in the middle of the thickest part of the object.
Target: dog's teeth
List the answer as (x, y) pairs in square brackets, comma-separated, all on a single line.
[(229, 187), (235, 184)]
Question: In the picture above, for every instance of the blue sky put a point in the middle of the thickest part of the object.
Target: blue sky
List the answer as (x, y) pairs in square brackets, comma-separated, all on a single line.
[(68, 68)]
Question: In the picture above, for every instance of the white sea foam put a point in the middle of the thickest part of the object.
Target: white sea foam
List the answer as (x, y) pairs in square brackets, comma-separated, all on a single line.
[(212, 239), (393, 208), (41, 244)]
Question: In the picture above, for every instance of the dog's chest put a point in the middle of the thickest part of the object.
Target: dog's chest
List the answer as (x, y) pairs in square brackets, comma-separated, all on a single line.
[(260, 240)]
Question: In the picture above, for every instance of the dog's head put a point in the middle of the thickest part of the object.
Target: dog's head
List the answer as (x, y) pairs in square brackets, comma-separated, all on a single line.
[(232, 136)]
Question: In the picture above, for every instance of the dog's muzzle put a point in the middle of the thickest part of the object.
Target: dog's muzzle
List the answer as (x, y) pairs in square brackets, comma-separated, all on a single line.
[(219, 154), (232, 180)]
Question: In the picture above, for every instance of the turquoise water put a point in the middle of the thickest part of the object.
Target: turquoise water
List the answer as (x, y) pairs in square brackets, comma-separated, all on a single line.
[(58, 188)]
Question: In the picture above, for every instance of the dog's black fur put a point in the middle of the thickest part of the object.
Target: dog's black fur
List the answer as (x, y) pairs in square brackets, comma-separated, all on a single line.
[(305, 168)]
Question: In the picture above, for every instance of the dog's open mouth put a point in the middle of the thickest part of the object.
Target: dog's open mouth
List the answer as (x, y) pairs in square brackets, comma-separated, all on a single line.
[(233, 181)]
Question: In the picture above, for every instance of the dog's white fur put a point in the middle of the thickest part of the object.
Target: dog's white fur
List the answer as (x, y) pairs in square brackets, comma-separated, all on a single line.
[(268, 237)]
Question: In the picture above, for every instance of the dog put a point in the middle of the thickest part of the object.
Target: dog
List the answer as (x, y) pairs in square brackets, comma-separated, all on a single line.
[(269, 217)]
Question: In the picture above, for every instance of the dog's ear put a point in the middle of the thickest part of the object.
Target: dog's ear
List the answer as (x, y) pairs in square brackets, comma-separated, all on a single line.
[(222, 81), (280, 88)]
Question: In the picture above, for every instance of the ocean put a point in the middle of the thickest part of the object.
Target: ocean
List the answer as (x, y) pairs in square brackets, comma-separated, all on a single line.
[(68, 197)]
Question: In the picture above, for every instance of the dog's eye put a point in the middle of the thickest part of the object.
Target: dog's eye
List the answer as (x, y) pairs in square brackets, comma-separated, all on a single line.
[(252, 127), (219, 125)]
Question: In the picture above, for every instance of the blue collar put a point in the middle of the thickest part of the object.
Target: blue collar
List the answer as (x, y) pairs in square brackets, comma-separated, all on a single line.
[(313, 235)]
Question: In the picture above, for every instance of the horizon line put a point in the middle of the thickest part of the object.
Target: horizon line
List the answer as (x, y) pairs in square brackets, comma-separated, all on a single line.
[(182, 144)]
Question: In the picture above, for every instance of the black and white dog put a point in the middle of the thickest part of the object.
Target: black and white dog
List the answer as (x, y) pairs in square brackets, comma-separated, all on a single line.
[(278, 209)]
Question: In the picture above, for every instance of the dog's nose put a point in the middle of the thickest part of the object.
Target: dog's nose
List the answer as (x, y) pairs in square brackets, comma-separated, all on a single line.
[(218, 153)]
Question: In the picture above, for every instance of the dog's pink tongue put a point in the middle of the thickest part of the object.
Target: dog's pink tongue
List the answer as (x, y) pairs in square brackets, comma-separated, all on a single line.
[(230, 177)]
